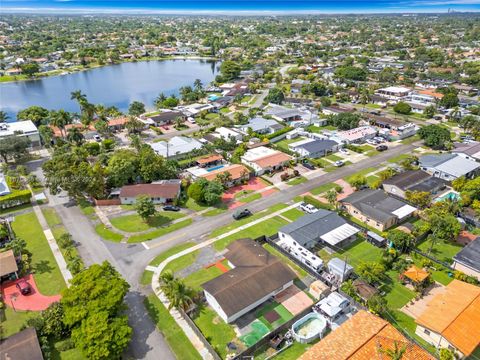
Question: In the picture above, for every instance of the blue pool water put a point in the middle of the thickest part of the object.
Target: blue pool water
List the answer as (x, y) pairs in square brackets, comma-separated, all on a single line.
[(213, 97), (215, 168), (449, 196)]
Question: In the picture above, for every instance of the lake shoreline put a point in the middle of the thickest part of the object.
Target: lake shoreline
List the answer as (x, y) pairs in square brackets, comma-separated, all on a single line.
[(68, 71)]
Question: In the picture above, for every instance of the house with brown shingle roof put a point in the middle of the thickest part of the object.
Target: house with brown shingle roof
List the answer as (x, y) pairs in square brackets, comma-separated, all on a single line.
[(364, 337), (255, 277), (451, 319)]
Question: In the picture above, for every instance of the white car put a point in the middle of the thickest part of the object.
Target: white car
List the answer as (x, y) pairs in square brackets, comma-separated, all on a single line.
[(344, 151), (97, 138), (339, 163), (372, 142), (308, 208)]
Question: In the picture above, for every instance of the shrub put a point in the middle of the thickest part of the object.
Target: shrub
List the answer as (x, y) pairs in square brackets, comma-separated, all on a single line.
[(14, 199)]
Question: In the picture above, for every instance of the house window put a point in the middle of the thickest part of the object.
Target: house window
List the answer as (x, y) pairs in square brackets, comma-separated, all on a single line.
[(426, 331)]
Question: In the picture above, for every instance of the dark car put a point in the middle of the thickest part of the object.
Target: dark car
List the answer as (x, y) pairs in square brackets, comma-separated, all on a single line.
[(382, 147), (171, 208), (308, 165), (239, 214), (24, 287)]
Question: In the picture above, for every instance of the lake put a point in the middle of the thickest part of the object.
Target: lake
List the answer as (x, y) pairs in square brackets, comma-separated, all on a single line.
[(112, 85)]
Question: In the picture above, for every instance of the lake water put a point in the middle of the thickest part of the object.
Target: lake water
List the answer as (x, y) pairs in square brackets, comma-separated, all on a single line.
[(116, 85)]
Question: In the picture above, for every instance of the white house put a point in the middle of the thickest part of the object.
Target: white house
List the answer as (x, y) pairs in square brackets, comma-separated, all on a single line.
[(394, 92), (21, 128), (227, 134), (255, 277), (176, 146), (449, 166), (263, 159)]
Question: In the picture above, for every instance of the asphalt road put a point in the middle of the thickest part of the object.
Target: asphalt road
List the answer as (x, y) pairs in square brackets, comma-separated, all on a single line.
[(131, 259)]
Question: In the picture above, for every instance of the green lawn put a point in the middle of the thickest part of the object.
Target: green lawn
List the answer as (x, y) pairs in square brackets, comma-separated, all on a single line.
[(397, 295), (13, 321), (192, 205), (297, 180), (203, 275), (134, 223), (86, 208), (250, 198), (108, 234), (323, 188), (47, 275), (215, 330), (297, 269), (182, 262), (51, 216), (360, 250), (319, 129), (214, 212), (443, 251), (267, 227), (333, 157), (372, 179), (399, 158), (293, 214), (292, 353), (72, 354), (173, 334), (371, 153), (159, 232)]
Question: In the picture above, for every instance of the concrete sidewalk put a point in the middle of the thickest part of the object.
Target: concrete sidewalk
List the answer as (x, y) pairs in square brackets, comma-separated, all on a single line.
[(196, 342)]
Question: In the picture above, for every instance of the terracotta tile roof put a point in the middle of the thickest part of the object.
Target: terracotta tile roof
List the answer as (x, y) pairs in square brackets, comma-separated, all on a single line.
[(237, 171), (361, 338), (209, 159), (431, 93), (118, 121), (416, 274), (455, 314), (57, 132), (272, 160)]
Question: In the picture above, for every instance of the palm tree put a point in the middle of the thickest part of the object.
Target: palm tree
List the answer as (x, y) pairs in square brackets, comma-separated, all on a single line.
[(75, 136), (396, 353), (60, 119), (3, 116), (133, 125), (197, 84), (456, 113), (331, 196), (182, 296)]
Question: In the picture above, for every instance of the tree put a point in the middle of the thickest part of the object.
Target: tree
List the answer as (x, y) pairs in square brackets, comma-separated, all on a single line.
[(17, 245), (396, 353), (195, 192), (212, 192), (13, 146), (402, 108), (371, 271), (429, 111), (357, 181), (419, 198), (402, 241), (30, 69), (449, 100), (93, 307), (36, 114), (331, 197), (434, 136), (122, 167), (377, 304), (349, 289), (3, 116), (447, 354), (180, 295), (145, 207), (344, 121), (444, 227), (133, 125), (46, 134), (60, 119), (230, 70), (74, 135), (136, 108), (275, 95), (350, 72)]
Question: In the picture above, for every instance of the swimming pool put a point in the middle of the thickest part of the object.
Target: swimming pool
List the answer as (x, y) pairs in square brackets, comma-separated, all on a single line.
[(451, 195), (308, 328), (213, 97), (215, 168)]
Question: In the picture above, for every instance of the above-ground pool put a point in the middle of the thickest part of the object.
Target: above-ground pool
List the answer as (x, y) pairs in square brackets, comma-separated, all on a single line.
[(451, 195), (310, 327), (215, 168)]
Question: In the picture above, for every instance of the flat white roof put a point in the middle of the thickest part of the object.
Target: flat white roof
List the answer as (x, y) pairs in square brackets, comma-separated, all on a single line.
[(26, 127), (258, 152), (404, 211), (395, 89), (339, 234)]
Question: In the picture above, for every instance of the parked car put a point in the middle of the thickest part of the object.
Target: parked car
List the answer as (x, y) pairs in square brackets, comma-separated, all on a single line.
[(344, 151), (372, 142), (382, 147), (24, 287), (171, 208), (339, 163), (191, 120), (309, 165), (97, 138), (308, 208), (379, 139), (240, 214)]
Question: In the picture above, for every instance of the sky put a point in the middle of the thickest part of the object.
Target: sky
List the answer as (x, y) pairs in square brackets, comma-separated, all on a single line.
[(248, 7)]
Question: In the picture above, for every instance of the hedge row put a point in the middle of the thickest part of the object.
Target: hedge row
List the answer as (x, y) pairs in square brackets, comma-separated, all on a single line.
[(14, 199), (279, 132)]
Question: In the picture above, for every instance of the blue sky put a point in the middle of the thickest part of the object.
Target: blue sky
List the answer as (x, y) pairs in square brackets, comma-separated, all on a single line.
[(247, 7)]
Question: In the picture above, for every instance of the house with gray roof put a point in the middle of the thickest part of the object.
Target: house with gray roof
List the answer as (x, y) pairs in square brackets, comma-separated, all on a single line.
[(468, 259), (470, 151), (261, 125), (413, 180), (314, 148), (449, 166), (282, 113), (322, 227), (376, 209)]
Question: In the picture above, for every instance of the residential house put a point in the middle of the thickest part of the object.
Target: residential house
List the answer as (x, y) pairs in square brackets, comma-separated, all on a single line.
[(470, 151), (161, 192), (167, 117), (384, 122), (261, 125), (209, 160), (176, 146), (23, 345), (395, 93), (333, 306), (228, 134), (322, 227), (378, 100), (238, 173), (335, 110), (356, 136), (413, 180), (284, 114), (21, 128), (364, 336), (9, 264), (262, 159), (450, 320), (467, 260), (376, 209), (339, 268), (255, 277), (449, 166), (194, 110), (118, 123), (314, 148)]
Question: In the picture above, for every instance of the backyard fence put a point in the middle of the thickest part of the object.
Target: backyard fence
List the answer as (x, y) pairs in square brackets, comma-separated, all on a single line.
[(434, 259), (197, 331)]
